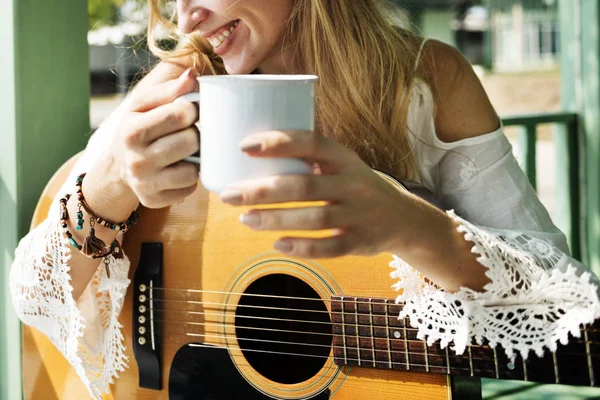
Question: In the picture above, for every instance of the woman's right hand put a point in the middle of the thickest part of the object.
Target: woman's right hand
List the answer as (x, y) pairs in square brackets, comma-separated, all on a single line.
[(154, 136)]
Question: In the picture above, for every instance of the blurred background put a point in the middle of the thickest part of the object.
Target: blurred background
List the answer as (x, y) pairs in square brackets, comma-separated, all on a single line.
[(67, 66)]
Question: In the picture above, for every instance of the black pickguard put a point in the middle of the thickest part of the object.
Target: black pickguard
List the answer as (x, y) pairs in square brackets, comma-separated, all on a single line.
[(207, 373)]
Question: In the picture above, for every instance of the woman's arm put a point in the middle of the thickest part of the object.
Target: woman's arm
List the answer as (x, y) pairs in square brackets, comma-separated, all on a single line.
[(106, 193), (463, 111), (133, 157)]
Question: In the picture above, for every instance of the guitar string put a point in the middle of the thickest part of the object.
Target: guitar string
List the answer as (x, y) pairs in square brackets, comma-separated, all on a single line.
[(268, 329), (421, 341), (407, 365), (232, 313), (199, 302), (345, 323), (342, 299), (217, 335), (354, 348), (404, 364)]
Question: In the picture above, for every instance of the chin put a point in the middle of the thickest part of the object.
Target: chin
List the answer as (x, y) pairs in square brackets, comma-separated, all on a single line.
[(238, 67)]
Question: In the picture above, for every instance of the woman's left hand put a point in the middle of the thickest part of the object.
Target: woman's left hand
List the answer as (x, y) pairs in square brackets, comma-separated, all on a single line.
[(362, 209)]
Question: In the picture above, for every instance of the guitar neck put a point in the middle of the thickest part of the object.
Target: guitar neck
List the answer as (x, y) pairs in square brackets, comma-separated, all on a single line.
[(368, 333)]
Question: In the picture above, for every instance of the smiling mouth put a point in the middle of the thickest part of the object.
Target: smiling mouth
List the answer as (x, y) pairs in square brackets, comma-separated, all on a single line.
[(217, 39)]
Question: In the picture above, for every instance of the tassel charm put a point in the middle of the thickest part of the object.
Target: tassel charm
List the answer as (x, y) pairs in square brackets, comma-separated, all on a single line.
[(92, 245)]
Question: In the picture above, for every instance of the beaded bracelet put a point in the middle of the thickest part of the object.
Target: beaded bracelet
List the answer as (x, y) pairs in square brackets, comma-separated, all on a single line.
[(100, 250), (92, 244), (122, 226)]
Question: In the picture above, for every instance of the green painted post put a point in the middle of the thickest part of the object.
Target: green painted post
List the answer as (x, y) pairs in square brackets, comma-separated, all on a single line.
[(527, 139), (488, 38), (44, 111), (580, 73)]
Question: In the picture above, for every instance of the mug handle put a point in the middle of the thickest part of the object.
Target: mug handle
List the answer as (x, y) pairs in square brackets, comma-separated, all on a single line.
[(193, 97)]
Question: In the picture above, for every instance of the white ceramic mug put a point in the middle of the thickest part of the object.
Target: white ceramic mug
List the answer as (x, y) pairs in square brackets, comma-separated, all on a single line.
[(235, 106)]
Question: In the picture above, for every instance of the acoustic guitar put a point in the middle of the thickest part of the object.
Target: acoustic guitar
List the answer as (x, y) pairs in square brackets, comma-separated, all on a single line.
[(214, 313)]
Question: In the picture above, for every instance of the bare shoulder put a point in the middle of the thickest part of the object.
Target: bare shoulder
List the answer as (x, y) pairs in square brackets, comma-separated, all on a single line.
[(463, 107)]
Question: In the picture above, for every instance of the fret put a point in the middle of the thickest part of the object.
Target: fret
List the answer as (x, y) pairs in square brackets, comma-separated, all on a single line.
[(406, 350), (459, 365), (437, 359), (372, 330), (555, 365), (358, 346), (588, 356), (483, 361), (339, 343), (387, 330), (416, 351), (470, 360), (426, 356), (496, 364), (447, 360), (344, 332), (541, 369)]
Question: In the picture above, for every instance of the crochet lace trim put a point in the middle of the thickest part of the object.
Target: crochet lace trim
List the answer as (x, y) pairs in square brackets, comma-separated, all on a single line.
[(535, 298)]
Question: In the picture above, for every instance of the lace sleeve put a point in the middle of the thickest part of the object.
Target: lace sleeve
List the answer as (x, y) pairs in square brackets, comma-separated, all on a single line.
[(86, 332), (536, 297), (538, 294)]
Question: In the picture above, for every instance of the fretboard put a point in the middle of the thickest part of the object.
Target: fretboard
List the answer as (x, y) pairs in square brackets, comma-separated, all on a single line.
[(368, 333)]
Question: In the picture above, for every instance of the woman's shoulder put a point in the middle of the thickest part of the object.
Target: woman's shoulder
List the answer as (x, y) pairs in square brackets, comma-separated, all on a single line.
[(463, 109)]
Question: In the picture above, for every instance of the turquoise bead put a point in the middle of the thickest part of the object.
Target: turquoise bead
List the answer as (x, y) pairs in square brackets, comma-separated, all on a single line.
[(73, 242)]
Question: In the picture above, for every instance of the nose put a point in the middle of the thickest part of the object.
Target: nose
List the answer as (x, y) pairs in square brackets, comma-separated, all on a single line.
[(189, 15)]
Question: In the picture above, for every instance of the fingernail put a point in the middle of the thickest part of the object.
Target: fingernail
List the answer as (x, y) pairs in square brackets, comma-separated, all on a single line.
[(231, 196), (250, 146), (250, 219), (186, 74), (283, 246)]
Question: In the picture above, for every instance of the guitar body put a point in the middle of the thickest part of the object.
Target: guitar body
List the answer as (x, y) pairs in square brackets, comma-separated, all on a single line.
[(212, 350)]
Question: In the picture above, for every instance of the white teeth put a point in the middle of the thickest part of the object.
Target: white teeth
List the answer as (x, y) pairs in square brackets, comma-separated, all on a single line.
[(217, 41)]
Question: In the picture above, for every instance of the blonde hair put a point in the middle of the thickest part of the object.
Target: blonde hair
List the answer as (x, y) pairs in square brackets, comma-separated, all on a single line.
[(366, 69)]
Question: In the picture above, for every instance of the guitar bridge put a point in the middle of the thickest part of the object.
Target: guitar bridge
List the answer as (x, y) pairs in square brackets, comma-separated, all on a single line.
[(147, 318)]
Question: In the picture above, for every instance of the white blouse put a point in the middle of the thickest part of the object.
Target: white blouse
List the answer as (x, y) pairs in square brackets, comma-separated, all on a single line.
[(477, 179)]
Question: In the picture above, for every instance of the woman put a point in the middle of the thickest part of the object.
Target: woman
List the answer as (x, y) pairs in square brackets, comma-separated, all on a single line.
[(385, 100)]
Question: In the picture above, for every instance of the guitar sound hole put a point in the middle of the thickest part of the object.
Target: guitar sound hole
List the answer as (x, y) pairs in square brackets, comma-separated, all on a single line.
[(284, 335)]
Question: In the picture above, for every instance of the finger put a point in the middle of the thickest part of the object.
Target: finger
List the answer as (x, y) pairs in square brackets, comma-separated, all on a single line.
[(175, 147), (167, 197), (164, 120), (333, 246), (298, 219), (178, 176), (165, 92), (283, 189), (308, 145)]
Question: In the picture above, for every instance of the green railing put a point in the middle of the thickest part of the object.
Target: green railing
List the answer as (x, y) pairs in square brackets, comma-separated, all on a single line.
[(568, 166)]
